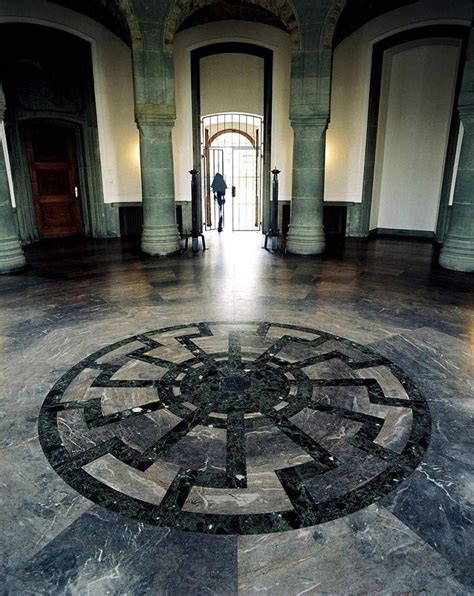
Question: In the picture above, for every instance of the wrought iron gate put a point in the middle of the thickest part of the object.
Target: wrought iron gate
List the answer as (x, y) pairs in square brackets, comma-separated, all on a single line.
[(231, 145)]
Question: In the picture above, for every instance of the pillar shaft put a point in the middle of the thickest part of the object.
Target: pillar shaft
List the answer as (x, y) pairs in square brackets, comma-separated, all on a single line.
[(11, 253), (160, 232), (306, 235), (458, 248)]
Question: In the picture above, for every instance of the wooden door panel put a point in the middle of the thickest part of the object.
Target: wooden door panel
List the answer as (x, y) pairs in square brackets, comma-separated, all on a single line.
[(54, 182), (58, 215), (53, 173), (50, 145)]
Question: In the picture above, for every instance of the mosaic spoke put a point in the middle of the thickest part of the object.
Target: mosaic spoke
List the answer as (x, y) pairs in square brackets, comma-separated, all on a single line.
[(234, 428)]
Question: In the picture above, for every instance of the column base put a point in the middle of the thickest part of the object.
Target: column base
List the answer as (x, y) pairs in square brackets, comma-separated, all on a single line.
[(306, 240), (11, 255), (160, 240), (457, 254)]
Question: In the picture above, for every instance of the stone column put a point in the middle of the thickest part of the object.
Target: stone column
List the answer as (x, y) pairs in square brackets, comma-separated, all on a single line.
[(458, 248), (11, 253), (306, 235), (160, 233)]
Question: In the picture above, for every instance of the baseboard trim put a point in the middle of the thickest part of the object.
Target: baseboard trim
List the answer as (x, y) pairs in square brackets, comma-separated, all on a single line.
[(402, 233)]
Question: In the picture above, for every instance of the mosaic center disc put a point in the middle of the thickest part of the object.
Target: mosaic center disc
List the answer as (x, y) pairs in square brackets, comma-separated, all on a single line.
[(234, 428)]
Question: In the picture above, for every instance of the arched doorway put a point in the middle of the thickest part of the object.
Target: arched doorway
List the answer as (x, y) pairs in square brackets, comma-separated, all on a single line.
[(232, 146), (51, 127), (420, 205), (239, 137)]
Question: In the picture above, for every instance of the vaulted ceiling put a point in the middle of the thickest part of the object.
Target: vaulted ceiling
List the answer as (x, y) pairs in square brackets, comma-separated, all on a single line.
[(277, 13), (358, 12), (225, 10), (105, 12)]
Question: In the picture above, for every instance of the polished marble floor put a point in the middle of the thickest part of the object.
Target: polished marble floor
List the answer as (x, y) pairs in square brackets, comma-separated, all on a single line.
[(236, 421)]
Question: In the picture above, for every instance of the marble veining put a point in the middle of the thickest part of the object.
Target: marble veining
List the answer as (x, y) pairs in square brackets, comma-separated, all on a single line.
[(239, 441), (391, 304)]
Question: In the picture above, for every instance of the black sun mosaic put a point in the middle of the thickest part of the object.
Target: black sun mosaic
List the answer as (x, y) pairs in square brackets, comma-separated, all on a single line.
[(234, 428)]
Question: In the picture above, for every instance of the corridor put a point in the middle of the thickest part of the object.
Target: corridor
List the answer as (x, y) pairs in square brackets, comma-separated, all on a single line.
[(236, 421)]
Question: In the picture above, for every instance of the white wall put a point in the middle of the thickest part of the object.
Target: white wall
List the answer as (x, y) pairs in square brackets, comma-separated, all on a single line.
[(113, 83), (3, 140), (456, 162), (282, 133), (418, 84), (222, 87), (350, 89)]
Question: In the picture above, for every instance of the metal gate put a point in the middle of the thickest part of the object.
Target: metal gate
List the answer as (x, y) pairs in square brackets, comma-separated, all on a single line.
[(232, 146)]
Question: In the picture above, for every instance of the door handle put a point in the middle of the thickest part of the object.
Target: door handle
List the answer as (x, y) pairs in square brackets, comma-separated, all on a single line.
[(76, 191), (233, 191)]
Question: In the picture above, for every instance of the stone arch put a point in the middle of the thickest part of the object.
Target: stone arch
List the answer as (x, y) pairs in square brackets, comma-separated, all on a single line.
[(219, 133), (181, 9), (132, 21), (116, 15), (334, 12)]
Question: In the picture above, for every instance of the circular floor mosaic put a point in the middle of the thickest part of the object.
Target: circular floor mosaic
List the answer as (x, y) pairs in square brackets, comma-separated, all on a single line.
[(234, 428)]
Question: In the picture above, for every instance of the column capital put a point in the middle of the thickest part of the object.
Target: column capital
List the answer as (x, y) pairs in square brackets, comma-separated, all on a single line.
[(309, 120), (153, 114)]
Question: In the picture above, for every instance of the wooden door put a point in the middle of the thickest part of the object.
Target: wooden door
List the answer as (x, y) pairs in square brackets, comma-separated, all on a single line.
[(52, 159)]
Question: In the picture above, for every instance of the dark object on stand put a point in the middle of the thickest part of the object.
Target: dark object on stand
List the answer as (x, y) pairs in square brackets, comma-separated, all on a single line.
[(274, 233), (219, 187), (195, 231), (220, 226), (220, 199)]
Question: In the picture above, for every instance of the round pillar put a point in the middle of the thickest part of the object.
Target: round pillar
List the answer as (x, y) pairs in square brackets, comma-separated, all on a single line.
[(306, 234), (458, 248), (160, 233), (11, 253)]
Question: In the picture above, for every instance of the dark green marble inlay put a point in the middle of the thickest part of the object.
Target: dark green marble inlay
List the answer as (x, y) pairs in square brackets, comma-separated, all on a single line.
[(239, 428)]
